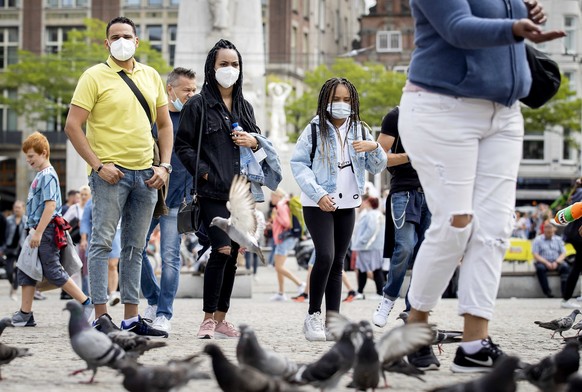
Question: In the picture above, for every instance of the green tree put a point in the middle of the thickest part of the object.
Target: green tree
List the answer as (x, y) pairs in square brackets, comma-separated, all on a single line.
[(46, 82), (379, 91)]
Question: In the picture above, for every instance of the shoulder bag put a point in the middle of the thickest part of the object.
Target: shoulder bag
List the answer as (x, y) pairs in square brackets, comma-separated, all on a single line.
[(545, 75), (189, 212)]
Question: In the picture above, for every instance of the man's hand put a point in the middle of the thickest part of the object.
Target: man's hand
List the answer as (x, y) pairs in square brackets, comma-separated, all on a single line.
[(159, 178), (35, 239), (110, 173)]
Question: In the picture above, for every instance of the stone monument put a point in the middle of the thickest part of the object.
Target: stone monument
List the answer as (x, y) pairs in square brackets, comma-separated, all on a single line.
[(278, 131), (201, 23)]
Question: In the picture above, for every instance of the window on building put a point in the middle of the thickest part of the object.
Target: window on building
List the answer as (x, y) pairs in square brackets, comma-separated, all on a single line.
[(8, 117), (306, 9), (295, 6), (154, 35), (66, 3), (172, 36), (293, 44), (8, 46), (155, 3), (322, 15), (305, 50), (533, 146), (569, 147), (8, 3), (571, 76), (132, 3), (56, 36), (388, 41), (571, 29), (174, 3)]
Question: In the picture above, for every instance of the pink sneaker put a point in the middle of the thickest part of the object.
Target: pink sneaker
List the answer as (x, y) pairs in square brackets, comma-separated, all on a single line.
[(225, 330), (207, 328)]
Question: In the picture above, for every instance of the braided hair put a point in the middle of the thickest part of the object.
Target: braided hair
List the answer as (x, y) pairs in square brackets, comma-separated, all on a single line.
[(239, 105), (326, 93)]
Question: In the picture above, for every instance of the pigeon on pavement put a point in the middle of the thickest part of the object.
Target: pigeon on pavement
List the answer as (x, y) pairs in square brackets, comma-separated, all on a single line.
[(161, 378), (232, 378), (5, 322), (577, 327), (442, 336), (133, 344), (326, 372), (92, 346), (242, 223), (249, 352), (552, 372), (500, 379), (8, 353), (560, 325)]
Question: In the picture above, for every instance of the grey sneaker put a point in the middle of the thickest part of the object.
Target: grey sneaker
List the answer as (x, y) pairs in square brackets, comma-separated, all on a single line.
[(313, 327), (20, 319), (89, 312)]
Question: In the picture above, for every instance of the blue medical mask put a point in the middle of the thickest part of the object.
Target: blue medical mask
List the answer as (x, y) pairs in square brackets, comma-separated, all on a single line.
[(178, 105), (339, 110)]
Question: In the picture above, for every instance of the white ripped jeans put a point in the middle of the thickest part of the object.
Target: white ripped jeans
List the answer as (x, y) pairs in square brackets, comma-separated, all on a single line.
[(467, 154)]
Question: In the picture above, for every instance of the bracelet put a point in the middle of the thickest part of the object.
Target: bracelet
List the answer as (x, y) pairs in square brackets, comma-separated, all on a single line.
[(99, 168), (256, 148)]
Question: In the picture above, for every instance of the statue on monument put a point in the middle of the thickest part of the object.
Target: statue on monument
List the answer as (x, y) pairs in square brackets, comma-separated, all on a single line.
[(219, 13), (279, 93)]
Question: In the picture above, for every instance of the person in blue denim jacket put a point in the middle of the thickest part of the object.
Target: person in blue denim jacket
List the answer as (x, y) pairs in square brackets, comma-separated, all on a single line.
[(332, 182)]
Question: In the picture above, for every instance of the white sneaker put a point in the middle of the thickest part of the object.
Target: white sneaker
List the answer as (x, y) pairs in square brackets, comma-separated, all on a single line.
[(162, 323), (301, 288), (569, 305), (279, 297), (360, 296), (150, 312), (313, 328), (114, 298), (380, 317)]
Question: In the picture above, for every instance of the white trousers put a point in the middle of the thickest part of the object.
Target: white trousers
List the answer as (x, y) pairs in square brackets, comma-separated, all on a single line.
[(467, 154)]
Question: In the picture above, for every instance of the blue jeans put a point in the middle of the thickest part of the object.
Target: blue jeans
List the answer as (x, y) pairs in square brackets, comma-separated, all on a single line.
[(132, 201), (163, 294), (408, 237)]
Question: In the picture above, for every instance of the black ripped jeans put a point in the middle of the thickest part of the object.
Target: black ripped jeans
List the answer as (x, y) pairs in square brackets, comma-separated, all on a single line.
[(331, 233)]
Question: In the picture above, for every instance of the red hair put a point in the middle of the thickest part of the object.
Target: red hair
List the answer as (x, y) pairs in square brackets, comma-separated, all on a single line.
[(38, 142)]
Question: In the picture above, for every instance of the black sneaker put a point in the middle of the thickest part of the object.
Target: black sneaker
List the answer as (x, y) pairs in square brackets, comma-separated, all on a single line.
[(424, 359), (104, 323), (482, 361), (65, 295), (140, 327)]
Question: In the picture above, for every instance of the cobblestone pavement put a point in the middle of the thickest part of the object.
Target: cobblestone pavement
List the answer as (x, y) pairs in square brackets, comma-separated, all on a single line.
[(278, 325)]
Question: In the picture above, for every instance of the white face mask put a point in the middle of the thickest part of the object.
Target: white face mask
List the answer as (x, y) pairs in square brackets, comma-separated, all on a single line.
[(227, 76), (122, 49), (339, 110)]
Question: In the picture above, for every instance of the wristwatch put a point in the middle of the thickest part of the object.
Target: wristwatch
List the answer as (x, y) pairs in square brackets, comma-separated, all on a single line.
[(167, 166)]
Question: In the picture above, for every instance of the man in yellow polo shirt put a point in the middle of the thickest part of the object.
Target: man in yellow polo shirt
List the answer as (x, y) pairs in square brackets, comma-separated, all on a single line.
[(118, 148)]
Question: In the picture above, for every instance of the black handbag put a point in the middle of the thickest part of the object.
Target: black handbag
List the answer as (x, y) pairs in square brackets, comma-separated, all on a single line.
[(546, 78), (189, 218)]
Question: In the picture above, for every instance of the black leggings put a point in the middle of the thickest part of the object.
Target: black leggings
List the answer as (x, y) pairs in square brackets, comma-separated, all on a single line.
[(331, 233), (378, 280), (575, 270), (221, 268)]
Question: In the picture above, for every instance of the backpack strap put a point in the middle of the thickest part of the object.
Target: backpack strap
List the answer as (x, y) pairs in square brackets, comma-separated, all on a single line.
[(313, 142)]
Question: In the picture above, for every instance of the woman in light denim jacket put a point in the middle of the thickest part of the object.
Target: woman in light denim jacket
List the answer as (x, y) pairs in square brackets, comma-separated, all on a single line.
[(332, 182)]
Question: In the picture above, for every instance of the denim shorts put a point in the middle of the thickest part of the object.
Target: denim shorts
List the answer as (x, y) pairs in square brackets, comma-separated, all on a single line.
[(285, 247)]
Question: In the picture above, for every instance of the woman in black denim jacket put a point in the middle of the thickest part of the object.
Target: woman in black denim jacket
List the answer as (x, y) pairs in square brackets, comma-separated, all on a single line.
[(221, 100)]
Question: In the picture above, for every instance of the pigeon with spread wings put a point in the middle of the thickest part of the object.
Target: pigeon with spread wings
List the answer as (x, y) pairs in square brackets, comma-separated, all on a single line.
[(242, 224)]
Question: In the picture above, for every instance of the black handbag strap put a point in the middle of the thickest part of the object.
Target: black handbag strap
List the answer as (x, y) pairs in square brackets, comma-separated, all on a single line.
[(313, 142), (194, 190)]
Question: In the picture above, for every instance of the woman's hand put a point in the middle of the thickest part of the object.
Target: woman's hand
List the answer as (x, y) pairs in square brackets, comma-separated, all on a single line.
[(364, 145), (527, 29), (535, 12), (244, 139), (327, 204)]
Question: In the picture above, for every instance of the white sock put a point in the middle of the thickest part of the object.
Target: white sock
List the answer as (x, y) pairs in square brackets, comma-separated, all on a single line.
[(131, 320), (473, 346)]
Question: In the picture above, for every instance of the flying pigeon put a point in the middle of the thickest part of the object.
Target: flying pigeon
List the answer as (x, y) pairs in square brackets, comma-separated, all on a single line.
[(326, 372), (552, 372), (242, 224), (172, 376), (232, 378), (5, 322), (8, 353), (249, 352), (133, 344), (500, 379), (560, 325), (92, 346)]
